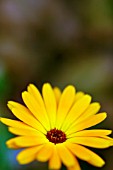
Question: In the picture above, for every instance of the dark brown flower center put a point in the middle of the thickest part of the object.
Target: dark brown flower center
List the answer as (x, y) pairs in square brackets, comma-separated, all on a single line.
[(56, 136)]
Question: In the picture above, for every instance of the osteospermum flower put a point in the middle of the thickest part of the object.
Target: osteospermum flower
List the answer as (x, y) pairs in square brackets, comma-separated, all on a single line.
[(54, 127)]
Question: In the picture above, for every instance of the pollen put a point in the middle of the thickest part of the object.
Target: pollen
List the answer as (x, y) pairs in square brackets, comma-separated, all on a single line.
[(56, 136)]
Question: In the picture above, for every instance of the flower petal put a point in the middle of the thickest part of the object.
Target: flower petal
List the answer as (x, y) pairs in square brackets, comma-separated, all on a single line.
[(78, 108), (25, 115), (14, 123), (78, 151), (50, 103), (65, 103), (35, 108), (76, 166), (90, 121), (25, 132), (35, 92), (78, 96), (45, 152), (11, 144), (57, 93), (27, 141), (55, 161), (27, 160), (85, 154), (28, 155), (39, 105), (95, 142), (96, 160), (97, 133), (92, 109), (65, 155)]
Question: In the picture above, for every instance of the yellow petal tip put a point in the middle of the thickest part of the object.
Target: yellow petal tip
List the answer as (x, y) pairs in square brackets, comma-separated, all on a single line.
[(30, 86), (110, 131), (111, 142), (88, 97), (24, 94), (20, 161), (105, 114), (2, 120), (10, 105), (46, 85), (102, 164)]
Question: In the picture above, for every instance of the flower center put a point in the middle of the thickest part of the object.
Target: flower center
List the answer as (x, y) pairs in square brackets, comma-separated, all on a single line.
[(56, 136)]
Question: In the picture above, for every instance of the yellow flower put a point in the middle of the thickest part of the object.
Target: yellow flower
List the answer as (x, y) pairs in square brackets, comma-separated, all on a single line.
[(54, 127)]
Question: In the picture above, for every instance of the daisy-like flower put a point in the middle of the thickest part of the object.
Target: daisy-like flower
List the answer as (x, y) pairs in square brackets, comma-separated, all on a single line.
[(54, 127)]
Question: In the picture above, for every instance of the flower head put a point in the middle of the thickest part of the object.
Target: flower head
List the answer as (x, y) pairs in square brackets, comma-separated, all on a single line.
[(54, 126)]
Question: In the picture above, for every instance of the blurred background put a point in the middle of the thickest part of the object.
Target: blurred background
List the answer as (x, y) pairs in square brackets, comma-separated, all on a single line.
[(61, 42)]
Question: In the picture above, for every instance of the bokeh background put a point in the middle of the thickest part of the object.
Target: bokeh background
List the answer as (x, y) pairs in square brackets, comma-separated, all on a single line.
[(61, 42)]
